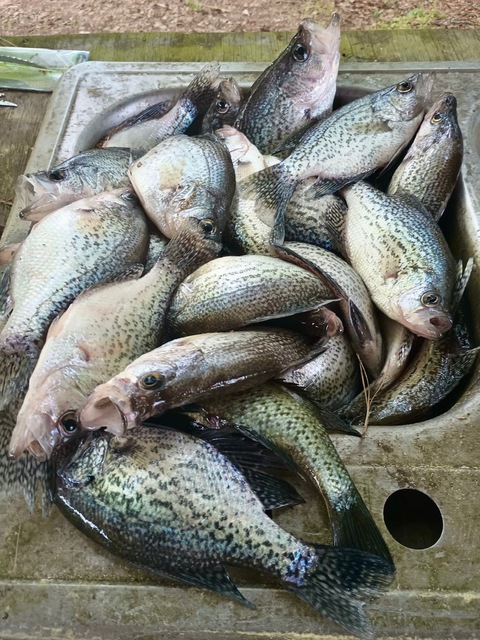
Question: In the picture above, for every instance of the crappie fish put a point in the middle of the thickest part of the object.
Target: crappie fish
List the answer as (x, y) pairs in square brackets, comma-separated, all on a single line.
[(293, 427), (408, 267), (143, 133), (224, 107), (370, 132), (71, 249), (331, 379), (296, 89), (82, 176), (429, 171), (98, 335), (234, 291), (184, 370), (246, 158), (190, 512), (357, 310), (184, 177)]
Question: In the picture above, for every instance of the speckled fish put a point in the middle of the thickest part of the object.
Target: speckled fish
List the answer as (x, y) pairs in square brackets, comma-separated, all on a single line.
[(224, 108), (295, 428), (296, 89), (143, 133), (357, 311), (402, 257), (233, 291), (87, 242), (185, 177), (331, 379), (190, 512), (100, 333), (429, 171), (184, 370), (370, 132), (81, 176)]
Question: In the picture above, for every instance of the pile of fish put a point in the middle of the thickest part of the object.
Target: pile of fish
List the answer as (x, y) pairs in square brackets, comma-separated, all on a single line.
[(230, 274)]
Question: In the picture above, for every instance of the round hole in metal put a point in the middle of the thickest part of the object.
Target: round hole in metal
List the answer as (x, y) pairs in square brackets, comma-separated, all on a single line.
[(413, 519)]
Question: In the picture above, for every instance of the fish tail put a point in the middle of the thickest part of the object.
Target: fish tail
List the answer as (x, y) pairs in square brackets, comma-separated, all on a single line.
[(341, 582), (272, 189), (15, 372), (25, 475), (354, 527), (202, 89)]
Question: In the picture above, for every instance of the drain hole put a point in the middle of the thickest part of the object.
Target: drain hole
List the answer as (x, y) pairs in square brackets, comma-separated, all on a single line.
[(413, 519)]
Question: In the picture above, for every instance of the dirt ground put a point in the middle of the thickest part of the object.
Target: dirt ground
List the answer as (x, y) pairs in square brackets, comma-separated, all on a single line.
[(90, 16)]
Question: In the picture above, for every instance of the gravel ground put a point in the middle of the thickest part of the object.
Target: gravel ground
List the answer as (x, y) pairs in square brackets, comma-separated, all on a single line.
[(214, 15)]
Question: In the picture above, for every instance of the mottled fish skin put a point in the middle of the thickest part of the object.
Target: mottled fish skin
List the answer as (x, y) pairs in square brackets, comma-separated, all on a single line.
[(402, 257), (185, 177), (331, 379), (81, 176), (68, 251), (156, 246), (370, 132), (100, 333), (192, 104), (289, 424), (356, 308), (184, 370), (224, 108), (234, 291), (296, 89), (430, 169), (190, 512), (437, 369)]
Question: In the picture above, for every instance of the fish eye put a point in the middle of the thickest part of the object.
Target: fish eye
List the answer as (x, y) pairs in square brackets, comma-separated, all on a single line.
[(68, 423), (431, 299), (129, 196), (437, 117), (404, 87), (152, 381), (56, 175), (208, 226), (222, 106), (300, 53)]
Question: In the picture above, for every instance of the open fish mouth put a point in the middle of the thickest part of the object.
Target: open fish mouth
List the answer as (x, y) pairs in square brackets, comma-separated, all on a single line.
[(108, 408), (35, 200), (39, 436), (430, 326)]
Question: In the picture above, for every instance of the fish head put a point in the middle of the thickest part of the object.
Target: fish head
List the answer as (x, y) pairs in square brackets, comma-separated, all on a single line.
[(440, 123), (312, 59), (142, 390), (423, 311), (228, 100), (79, 468), (406, 100), (39, 195)]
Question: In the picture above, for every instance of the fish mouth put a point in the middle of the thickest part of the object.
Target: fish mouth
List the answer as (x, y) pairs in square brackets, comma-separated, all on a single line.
[(323, 40), (430, 326), (29, 187), (109, 408), (38, 435)]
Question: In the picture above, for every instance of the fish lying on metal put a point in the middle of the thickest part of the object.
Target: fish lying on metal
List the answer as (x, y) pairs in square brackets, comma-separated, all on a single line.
[(408, 269), (143, 132), (234, 291), (190, 511), (73, 248), (356, 309), (81, 176), (429, 171), (370, 132), (224, 108), (184, 177), (296, 89), (184, 370), (100, 333), (293, 427)]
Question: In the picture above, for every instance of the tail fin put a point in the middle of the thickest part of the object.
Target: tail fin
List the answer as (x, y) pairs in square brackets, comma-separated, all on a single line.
[(203, 88), (270, 190), (336, 586), (24, 475), (15, 372)]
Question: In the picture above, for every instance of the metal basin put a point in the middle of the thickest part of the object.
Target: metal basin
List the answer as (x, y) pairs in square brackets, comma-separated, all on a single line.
[(420, 480)]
